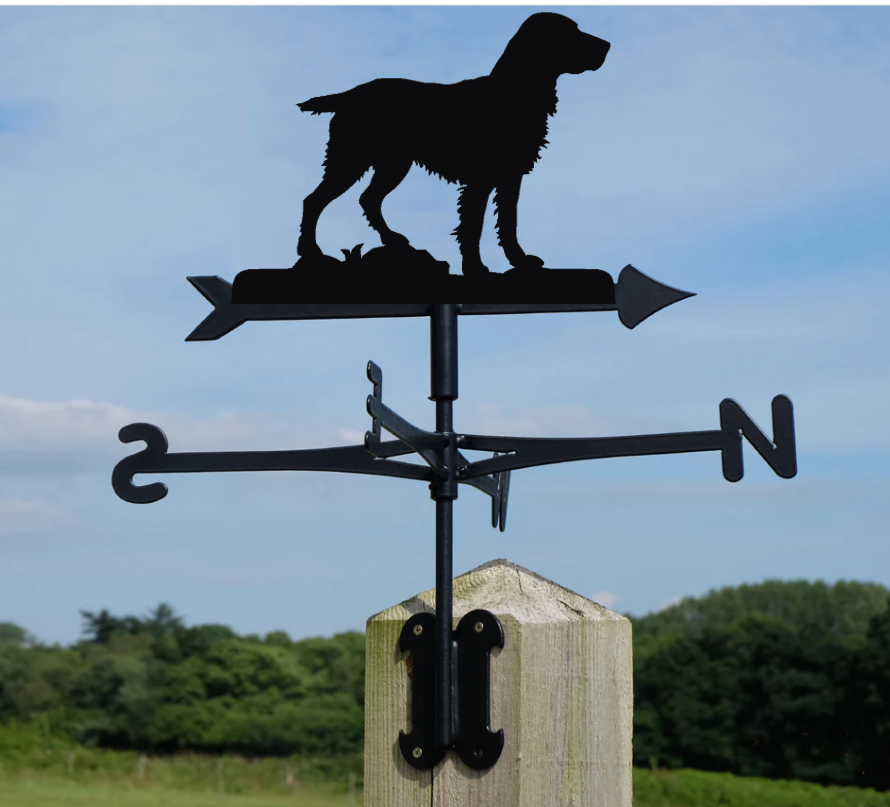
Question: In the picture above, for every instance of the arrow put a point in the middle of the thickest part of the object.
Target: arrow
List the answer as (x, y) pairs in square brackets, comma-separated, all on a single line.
[(636, 297)]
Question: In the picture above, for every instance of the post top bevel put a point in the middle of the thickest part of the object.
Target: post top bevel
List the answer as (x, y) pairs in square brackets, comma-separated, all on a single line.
[(505, 588)]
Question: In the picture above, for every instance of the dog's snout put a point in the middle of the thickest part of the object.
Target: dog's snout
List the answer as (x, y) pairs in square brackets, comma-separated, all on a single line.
[(601, 42), (598, 45), (597, 50)]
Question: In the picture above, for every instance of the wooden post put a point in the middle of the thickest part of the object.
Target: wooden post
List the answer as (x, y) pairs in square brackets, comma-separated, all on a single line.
[(562, 690)]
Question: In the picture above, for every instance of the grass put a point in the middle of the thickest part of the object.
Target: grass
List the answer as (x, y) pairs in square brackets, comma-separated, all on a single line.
[(27, 760), (683, 788), (686, 788), (51, 792), (41, 770)]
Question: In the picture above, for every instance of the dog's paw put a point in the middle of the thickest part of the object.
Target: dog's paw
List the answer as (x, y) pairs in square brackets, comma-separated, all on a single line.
[(528, 263), (307, 248), (473, 268), (396, 241)]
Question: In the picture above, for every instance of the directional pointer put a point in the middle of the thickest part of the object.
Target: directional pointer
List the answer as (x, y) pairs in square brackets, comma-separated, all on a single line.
[(634, 296)]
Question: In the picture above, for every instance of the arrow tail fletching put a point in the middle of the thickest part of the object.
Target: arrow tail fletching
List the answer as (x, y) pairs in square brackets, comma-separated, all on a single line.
[(223, 319)]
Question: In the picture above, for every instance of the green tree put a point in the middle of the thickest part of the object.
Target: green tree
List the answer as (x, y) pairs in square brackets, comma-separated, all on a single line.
[(18, 636), (337, 664), (842, 609), (100, 627), (757, 697), (870, 692), (197, 640)]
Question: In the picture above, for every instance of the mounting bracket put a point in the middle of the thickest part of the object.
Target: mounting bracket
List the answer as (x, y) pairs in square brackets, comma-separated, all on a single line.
[(477, 633)]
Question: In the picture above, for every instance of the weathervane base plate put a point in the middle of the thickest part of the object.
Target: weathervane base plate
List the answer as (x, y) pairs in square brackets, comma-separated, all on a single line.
[(557, 286)]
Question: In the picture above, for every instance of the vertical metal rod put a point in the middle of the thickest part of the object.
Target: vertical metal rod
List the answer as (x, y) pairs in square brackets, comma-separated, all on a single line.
[(443, 390), (444, 646)]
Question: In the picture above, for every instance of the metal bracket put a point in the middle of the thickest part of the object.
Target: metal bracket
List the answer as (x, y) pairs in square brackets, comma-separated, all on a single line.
[(475, 743), (427, 444)]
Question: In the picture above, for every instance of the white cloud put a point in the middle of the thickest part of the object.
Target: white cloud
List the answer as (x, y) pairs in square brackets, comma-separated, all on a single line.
[(81, 437), (351, 436), (22, 518), (606, 598)]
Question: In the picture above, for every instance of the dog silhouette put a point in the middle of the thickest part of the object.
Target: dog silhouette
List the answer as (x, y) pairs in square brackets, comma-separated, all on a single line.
[(484, 134)]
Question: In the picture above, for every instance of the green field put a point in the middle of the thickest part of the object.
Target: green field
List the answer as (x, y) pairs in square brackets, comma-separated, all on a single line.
[(48, 792), (38, 769), (199, 786)]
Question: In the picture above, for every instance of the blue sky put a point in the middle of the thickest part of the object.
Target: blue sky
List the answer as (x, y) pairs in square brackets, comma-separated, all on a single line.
[(737, 152)]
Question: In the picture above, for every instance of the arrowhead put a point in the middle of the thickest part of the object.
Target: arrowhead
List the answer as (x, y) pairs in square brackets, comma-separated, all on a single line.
[(638, 297)]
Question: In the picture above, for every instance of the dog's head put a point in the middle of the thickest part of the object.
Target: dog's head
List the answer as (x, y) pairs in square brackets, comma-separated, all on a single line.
[(554, 44)]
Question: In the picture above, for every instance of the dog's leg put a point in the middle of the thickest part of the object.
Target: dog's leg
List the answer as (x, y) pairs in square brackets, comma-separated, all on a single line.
[(334, 184), (471, 210), (506, 201), (387, 176)]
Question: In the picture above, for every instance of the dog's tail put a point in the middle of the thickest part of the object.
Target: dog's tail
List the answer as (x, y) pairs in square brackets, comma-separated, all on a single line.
[(374, 93), (325, 103)]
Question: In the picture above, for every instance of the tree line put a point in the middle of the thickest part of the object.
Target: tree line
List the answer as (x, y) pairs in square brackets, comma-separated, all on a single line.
[(780, 680)]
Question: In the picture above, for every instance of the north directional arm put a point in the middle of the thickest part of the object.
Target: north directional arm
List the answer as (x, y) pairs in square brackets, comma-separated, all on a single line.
[(527, 452)]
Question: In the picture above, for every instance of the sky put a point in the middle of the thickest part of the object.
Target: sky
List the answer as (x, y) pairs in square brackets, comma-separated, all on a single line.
[(740, 153)]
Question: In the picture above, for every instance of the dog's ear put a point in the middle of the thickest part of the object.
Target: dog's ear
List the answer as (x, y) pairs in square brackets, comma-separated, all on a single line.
[(539, 47)]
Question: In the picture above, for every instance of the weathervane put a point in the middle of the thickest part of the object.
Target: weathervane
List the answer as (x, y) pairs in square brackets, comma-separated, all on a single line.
[(485, 133)]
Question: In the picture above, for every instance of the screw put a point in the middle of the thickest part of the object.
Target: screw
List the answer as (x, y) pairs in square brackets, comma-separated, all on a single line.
[(478, 627), (417, 753), (418, 629)]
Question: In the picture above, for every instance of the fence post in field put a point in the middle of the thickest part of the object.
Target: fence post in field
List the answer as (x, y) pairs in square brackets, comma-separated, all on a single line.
[(561, 689)]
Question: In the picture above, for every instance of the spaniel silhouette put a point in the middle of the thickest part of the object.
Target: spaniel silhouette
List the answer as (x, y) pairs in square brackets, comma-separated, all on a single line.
[(484, 134)]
